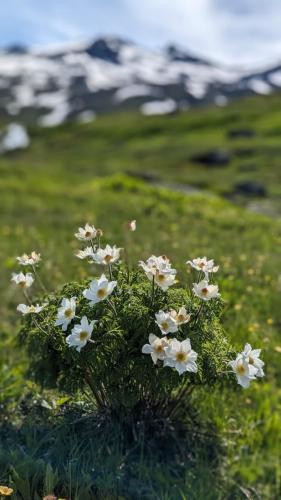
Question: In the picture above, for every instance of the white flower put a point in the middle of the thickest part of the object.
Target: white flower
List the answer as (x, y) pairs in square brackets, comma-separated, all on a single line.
[(252, 356), (244, 371), (99, 289), (25, 309), (205, 291), (86, 233), (80, 334), (203, 264), (165, 278), (29, 260), (23, 280), (85, 253), (107, 255), (156, 348), (66, 313), (155, 265), (180, 356), (165, 322), (181, 317)]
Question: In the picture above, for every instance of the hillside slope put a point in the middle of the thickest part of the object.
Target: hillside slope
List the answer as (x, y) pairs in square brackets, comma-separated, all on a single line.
[(232, 151)]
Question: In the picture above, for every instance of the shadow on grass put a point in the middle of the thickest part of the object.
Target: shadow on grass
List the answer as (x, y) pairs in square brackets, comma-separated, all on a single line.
[(83, 456)]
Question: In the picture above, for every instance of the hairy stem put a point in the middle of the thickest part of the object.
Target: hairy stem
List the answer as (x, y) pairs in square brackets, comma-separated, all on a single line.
[(40, 282)]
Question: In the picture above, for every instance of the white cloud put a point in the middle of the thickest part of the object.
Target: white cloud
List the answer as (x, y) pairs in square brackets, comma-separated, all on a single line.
[(232, 31)]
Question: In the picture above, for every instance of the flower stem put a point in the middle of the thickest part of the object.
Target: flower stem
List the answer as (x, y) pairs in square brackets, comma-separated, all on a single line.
[(93, 246), (112, 307), (26, 296), (38, 326), (110, 271), (39, 280), (198, 314)]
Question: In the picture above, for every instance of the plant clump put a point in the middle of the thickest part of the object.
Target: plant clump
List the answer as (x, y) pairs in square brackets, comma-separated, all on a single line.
[(135, 338)]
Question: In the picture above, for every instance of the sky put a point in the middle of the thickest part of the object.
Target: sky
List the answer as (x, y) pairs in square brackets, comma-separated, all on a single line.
[(239, 32)]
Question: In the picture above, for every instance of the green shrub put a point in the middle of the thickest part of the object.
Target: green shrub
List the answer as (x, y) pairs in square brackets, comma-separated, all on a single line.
[(136, 339)]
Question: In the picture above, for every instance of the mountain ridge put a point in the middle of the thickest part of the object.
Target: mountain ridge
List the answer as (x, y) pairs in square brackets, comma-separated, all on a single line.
[(111, 74)]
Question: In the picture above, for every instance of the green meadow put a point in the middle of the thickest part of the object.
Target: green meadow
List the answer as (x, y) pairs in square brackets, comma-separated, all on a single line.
[(124, 167)]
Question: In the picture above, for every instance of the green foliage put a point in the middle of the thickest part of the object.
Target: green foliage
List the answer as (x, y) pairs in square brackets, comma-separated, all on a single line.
[(49, 189), (113, 366)]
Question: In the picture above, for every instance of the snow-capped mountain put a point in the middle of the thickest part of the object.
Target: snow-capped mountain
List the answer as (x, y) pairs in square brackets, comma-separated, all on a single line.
[(80, 81)]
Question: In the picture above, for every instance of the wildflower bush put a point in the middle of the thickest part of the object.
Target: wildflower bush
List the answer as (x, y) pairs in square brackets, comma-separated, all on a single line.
[(136, 338)]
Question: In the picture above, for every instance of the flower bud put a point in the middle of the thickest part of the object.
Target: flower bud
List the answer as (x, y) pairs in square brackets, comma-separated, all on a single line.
[(132, 225)]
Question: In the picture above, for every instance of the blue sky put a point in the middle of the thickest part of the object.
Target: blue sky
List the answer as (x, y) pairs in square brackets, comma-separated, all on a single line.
[(231, 31)]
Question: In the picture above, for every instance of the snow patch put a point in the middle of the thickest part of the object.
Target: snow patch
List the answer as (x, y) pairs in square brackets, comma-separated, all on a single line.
[(16, 137), (159, 107), (134, 91), (259, 86), (221, 100), (86, 116), (275, 78)]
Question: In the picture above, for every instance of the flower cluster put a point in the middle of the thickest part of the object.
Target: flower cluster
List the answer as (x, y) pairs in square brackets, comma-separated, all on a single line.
[(78, 313), (94, 253), (99, 289), (175, 354), (159, 271), (26, 280), (247, 366)]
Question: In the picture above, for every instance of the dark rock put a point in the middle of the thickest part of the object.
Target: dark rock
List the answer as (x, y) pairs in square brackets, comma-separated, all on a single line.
[(177, 54), (213, 158), (250, 188), (241, 133)]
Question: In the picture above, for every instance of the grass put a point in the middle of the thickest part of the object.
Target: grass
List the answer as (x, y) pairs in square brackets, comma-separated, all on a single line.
[(165, 148), (47, 191)]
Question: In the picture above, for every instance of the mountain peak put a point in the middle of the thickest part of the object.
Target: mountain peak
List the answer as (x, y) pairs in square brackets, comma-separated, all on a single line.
[(106, 48), (111, 74), (16, 48)]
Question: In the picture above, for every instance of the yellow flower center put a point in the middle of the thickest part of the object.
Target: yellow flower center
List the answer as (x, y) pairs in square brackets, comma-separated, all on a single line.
[(159, 348), (241, 369), (88, 234), (251, 360), (83, 336), (22, 284), (165, 325), (108, 258), (101, 293), (204, 291), (161, 277), (68, 313), (181, 356), (180, 318)]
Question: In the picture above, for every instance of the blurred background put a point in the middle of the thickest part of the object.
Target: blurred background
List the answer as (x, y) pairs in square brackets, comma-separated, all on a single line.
[(209, 69), (168, 113)]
